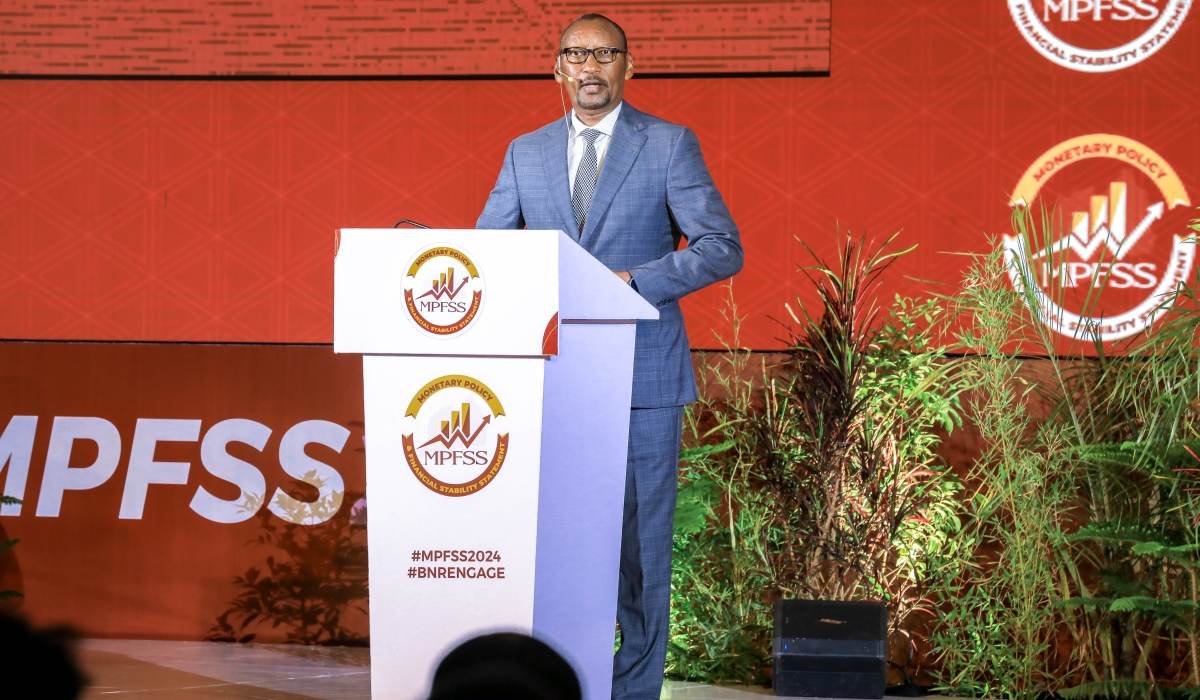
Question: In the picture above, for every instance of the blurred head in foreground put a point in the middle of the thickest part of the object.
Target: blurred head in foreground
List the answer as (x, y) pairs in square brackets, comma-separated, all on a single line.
[(36, 664), (504, 666)]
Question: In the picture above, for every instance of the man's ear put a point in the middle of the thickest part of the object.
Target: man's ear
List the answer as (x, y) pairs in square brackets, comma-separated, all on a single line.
[(628, 66)]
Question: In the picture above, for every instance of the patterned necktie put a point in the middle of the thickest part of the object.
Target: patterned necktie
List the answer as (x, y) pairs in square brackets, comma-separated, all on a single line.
[(585, 178)]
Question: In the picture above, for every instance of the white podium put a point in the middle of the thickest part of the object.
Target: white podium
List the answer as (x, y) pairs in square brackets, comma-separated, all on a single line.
[(497, 375)]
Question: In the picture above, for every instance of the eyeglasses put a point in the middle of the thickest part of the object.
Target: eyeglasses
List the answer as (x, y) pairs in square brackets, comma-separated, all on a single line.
[(603, 54)]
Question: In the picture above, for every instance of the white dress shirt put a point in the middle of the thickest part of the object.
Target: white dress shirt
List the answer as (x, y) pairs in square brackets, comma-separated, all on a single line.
[(576, 143)]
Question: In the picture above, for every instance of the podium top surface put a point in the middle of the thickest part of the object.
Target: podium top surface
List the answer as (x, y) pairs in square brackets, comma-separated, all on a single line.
[(469, 292)]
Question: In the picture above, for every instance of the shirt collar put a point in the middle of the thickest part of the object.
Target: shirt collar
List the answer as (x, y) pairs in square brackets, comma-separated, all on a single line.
[(606, 125)]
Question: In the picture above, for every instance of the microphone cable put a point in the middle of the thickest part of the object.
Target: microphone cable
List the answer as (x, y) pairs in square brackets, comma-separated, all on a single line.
[(561, 101)]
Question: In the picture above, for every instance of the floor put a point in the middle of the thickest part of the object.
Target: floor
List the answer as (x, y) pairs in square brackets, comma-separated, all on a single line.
[(204, 670), (126, 669)]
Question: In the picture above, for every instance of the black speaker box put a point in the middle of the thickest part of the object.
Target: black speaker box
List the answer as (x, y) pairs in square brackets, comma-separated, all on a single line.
[(830, 649)]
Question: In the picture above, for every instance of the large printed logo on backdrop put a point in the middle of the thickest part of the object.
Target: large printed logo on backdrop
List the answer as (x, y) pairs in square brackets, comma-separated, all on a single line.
[(1107, 274), (455, 435), (1098, 36), (443, 291)]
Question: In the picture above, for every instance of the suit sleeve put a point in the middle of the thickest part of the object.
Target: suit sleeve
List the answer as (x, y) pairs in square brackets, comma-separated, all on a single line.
[(503, 208), (714, 250)]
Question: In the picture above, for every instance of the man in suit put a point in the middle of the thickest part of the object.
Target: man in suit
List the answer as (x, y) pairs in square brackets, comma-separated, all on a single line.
[(627, 186)]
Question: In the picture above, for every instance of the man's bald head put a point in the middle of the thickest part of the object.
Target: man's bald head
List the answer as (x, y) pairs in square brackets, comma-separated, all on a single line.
[(592, 17), (595, 88)]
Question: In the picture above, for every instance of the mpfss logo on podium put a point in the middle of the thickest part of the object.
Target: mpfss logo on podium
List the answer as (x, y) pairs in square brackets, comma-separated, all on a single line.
[(443, 291), (1109, 273), (1098, 36), (455, 435)]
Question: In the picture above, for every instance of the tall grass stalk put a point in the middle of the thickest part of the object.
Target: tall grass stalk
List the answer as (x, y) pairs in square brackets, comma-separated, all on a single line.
[(998, 618)]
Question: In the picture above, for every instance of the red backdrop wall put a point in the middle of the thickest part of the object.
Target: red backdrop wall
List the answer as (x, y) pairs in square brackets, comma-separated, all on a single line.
[(203, 210)]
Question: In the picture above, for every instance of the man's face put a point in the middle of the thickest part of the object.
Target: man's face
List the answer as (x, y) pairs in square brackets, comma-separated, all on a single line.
[(598, 87)]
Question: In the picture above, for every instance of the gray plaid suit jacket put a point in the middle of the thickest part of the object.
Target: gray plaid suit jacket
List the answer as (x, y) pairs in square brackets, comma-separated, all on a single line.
[(653, 188)]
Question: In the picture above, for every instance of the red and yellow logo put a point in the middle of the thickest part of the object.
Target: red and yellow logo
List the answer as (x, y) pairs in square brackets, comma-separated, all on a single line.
[(455, 436), (1119, 253), (443, 291)]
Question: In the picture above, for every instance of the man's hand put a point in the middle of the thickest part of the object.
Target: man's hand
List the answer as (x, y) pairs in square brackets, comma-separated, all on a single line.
[(625, 276)]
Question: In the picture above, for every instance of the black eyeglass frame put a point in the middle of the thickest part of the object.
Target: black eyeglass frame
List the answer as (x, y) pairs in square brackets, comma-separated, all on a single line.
[(616, 51)]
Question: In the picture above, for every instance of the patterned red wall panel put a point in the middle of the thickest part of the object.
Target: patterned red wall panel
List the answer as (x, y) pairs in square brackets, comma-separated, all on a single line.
[(398, 37), (205, 210)]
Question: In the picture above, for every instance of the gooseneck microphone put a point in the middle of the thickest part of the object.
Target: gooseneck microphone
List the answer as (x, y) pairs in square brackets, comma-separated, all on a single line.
[(411, 223)]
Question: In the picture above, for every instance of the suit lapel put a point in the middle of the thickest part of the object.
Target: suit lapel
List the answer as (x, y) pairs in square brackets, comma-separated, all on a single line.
[(627, 142), (554, 163)]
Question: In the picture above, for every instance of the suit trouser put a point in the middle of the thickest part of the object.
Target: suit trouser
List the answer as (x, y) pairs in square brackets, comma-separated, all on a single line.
[(644, 588)]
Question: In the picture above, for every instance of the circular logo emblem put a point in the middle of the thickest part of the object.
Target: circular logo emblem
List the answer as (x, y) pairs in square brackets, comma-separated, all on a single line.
[(455, 435), (1098, 36), (1117, 256), (443, 291)]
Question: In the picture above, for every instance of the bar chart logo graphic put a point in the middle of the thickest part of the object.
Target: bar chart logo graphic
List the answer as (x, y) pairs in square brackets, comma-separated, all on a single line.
[(443, 291), (455, 435), (1119, 254), (1098, 36)]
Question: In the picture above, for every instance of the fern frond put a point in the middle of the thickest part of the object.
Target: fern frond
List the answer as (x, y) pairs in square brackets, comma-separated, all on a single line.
[(1167, 610), (1184, 555), (1101, 604), (1117, 531)]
